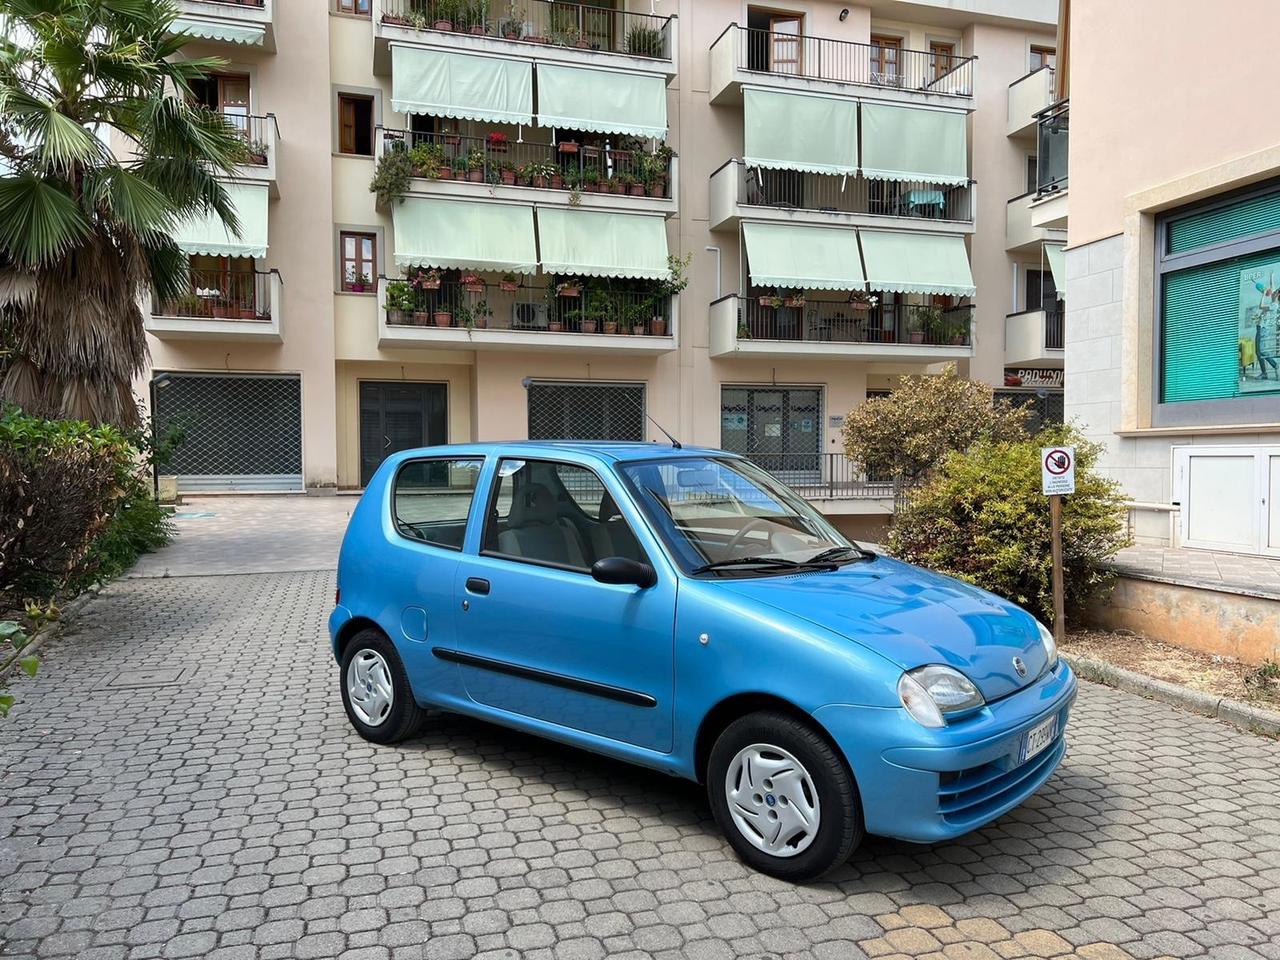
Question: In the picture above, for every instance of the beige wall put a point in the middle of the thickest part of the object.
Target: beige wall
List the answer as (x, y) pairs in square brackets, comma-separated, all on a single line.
[(1159, 91)]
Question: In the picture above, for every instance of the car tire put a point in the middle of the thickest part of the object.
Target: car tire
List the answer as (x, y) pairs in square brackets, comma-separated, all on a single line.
[(375, 690), (748, 804)]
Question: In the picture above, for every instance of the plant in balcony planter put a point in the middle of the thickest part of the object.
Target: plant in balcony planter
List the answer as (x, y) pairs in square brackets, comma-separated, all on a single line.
[(644, 42), (187, 305), (459, 167), (475, 165), (795, 300), (591, 180), (473, 283), (567, 146), (444, 13), (427, 159), (399, 302), (773, 302), (392, 175), (511, 23), (635, 317), (507, 172), (481, 312), (509, 282), (569, 288), (496, 141), (539, 173), (474, 14), (861, 302), (359, 282), (442, 316), (426, 279), (258, 153), (932, 326), (246, 310)]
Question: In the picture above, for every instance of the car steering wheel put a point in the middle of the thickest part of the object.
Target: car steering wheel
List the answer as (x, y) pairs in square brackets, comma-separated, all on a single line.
[(736, 540)]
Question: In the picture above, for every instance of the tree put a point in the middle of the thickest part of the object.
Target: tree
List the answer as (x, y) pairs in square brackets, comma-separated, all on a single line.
[(982, 518), (86, 235), (907, 433)]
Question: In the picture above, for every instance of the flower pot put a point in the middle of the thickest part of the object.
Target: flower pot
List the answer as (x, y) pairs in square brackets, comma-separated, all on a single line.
[(568, 146), (452, 140), (248, 313), (658, 326), (258, 159), (917, 336), (583, 44), (860, 308), (442, 25), (588, 326), (570, 291), (509, 286), (611, 327), (442, 318), (509, 177), (474, 288), (557, 182), (430, 285), (658, 190), (478, 31), (421, 318), (221, 310), (480, 322), (555, 326), (766, 302), (637, 329), (511, 35), (497, 146), (537, 39), (636, 190), (539, 182), (475, 176), (394, 19), (793, 301), (445, 173), (397, 318)]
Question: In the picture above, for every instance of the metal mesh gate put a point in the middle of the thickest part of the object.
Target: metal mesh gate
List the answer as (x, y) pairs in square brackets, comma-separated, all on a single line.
[(1046, 409), (238, 430), (586, 411)]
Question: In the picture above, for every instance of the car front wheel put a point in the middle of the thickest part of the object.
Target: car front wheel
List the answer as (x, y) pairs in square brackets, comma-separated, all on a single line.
[(376, 692), (783, 796)]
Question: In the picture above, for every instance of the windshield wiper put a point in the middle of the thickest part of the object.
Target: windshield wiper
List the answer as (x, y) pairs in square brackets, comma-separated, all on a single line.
[(777, 562), (839, 553)]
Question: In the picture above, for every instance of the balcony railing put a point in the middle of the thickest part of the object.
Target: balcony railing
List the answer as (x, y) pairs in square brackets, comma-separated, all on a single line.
[(822, 476), (1054, 327), (568, 165), (839, 321), (540, 21), (233, 3), (1052, 141), (258, 134), (794, 190), (600, 310), (845, 61), (221, 295)]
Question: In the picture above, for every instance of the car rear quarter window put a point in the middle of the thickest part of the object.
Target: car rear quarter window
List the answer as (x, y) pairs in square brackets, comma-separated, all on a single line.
[(431, 499)]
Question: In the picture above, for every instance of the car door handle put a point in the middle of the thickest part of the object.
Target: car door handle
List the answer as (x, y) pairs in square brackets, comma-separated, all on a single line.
[(478, 585)]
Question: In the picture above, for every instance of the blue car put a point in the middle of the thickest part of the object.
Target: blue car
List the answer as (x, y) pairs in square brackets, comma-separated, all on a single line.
[(682, 610)]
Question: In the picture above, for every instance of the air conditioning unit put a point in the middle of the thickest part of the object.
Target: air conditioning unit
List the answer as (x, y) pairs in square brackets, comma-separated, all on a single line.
[(528, 316)]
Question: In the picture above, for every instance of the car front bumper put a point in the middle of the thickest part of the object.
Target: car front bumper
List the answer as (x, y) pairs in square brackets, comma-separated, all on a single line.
[(928, 785)]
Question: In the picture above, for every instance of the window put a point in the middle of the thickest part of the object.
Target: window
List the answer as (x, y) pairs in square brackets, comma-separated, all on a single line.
[(778, 428), (357, 7), (884, 60), (1219, 305), (555, 514), (1042, 294), (431, 500), (586, 411), (359, 261), (355, 124), (1031, 174), (942, 59), (1043, 57)]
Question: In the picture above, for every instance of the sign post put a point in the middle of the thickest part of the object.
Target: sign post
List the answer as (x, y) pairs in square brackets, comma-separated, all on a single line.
[(1057, 479)]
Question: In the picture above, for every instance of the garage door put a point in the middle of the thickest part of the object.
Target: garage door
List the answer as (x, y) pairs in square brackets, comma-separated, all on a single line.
[(560, 410), (236, 431)]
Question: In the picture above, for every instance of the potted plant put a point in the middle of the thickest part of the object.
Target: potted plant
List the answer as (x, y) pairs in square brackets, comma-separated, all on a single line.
[(399, 302), (392, 176), (507, 172), (427, 279), (187, 305), (472, 283), (569, 288), (644, 42), (442, 316), (359, 282), (636, 317), (479, 315), (247, 311), (794, 300), (861, 302), (567, 146), (509, 282), (258, 153), (496, 141), (511, 23), (474, 14), (222, 309), (459, 166), (475, 165), (445, 10), (772, 302), (591, 180), (932, 327), (539, 173)]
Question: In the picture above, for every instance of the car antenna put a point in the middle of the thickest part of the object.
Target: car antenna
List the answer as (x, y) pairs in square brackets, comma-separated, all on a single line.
[(528, 381)]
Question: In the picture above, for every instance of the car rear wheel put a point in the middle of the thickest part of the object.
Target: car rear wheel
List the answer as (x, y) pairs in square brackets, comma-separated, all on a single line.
[(376, 692), (783, 796)]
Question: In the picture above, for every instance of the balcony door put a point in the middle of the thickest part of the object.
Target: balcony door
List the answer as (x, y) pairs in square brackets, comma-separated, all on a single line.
[(1042, 294), (774, 40), (886, 53), (226, 93)]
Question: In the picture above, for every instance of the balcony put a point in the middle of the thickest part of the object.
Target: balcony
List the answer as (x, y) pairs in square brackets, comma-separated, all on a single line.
[(1028, 96), (540, 30), (787, 196), (1020, 235), (233, 25), (222, 305), (497, 167), (805, 327), (260, 135), (823, 65), (1034, 338), (474, 313), (1052, 149), (823, 476)]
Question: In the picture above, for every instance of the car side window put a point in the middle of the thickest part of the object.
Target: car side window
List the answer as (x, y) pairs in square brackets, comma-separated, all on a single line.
[(431, 499), (557, 514)]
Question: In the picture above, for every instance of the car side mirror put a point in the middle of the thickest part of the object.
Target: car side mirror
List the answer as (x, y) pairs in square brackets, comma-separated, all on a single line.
[(623, 570)]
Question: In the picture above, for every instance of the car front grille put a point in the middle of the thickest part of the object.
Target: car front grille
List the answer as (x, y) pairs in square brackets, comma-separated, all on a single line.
[(968, 796)]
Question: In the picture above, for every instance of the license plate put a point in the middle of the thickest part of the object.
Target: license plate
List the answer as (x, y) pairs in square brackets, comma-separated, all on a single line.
[(1037, 738)]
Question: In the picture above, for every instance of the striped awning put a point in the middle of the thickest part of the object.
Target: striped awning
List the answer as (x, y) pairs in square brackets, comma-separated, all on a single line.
[(206, 234), (461, 86), (250, 34)]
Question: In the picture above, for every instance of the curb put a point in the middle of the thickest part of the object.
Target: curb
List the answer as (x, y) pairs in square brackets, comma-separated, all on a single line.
[(66, 615), (1242, 715)]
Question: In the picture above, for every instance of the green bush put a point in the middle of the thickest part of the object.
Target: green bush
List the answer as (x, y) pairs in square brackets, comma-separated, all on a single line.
[(982, 518)]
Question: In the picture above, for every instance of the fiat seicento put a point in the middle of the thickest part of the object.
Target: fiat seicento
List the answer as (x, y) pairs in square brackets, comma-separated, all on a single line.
[(682, 610)]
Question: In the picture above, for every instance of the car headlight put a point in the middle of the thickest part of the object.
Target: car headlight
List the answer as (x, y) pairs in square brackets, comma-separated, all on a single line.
[(932, 693), (1050, 646)]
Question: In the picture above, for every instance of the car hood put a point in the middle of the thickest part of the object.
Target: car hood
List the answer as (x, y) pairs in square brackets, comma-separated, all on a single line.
[(911, 617)]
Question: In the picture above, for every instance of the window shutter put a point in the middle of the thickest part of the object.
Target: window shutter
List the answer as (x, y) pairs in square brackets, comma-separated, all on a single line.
[(1259, 215)]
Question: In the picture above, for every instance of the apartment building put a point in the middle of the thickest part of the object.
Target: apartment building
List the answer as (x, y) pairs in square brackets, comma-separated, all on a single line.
[(1173, 266), (738, 221)]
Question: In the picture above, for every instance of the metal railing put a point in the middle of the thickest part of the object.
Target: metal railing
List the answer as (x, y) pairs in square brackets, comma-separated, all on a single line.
[(1054, 327), (236, 3), (825, 193), (257, 132), (540, 21), (221, 295), (822, 476), (1052, 141), (569, 165), (841, 322), (598, 308), (845, 61)]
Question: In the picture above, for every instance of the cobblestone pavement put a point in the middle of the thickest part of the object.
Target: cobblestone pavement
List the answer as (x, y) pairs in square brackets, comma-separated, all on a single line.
[(224, 809)]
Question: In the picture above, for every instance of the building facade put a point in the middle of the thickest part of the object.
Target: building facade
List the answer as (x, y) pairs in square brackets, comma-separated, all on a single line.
[(1173, 267), (830, 183)]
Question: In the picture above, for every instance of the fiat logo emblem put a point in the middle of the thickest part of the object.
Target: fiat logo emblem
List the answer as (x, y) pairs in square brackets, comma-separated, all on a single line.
[(1020, 666)]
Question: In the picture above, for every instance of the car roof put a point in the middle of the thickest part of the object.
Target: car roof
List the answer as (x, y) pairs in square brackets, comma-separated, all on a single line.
[(601, 449)]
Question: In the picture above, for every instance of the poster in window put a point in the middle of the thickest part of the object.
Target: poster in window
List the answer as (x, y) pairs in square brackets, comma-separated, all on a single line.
[(1260, 328)]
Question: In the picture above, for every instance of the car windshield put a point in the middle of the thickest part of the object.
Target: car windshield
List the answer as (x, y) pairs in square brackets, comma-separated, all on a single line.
[(727, 515)]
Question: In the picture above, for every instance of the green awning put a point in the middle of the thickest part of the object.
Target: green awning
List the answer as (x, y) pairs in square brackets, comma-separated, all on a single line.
[(601, 101), (916, 263), (464, 234), (594, 243), (810, 258), (253, 34), (461, 85), (793, 131), (206, 234), (914, 143), (1056, 254)]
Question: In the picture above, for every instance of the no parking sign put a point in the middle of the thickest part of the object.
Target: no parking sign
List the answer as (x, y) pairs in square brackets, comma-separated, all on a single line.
[(1057, 471)]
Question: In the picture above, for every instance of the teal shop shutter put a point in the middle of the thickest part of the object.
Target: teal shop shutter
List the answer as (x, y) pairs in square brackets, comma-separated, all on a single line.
[(1258, 215), (1201, 329)]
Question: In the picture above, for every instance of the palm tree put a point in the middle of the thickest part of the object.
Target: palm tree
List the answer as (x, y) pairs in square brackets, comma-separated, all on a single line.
[(85, 235)]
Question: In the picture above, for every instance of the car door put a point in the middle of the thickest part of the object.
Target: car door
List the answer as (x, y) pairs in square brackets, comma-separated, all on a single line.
[(537, 636)]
